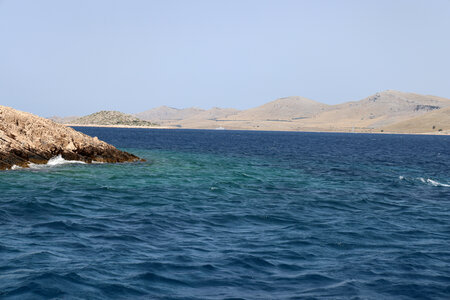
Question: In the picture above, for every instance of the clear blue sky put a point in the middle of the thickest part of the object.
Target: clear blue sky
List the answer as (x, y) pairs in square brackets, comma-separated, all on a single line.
[(75, 57)]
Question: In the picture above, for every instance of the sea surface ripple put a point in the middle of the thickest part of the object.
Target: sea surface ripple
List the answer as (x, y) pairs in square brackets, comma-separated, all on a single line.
[(233, 215)]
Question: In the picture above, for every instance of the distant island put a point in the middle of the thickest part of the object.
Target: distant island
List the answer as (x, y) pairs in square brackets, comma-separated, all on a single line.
[(104, 117), (388, 111)]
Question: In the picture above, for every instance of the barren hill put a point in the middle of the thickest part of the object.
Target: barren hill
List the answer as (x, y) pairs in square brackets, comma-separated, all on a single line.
[(63, 120), (206, 119), (378, 110), (214, 114), (370, 114), (164, 114), (111, 118), (283, 109)]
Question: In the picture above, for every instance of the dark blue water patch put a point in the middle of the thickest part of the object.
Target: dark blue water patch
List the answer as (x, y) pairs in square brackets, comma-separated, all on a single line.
[(233, 215)]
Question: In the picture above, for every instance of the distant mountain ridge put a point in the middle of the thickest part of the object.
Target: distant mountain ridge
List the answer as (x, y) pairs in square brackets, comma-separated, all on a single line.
[(165, 113), (63, 120), (379, 112), (282, 109), (381, 109)]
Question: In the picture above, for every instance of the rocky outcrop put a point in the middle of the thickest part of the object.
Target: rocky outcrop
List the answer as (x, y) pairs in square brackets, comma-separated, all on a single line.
[(26, 138)]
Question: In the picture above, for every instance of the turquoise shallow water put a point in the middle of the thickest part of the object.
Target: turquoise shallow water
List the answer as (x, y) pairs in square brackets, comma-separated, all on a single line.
[(233, 215)]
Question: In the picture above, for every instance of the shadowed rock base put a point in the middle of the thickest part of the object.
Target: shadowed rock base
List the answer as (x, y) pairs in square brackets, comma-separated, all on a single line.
[(26, 138)]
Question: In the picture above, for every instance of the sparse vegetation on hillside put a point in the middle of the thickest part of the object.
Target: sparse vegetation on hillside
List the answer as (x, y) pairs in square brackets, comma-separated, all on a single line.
[(111, 118)]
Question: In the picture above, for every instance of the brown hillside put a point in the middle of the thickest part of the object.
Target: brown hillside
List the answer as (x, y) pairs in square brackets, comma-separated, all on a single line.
[(432, 122), (378, 110), (283, 109), (165, 114)]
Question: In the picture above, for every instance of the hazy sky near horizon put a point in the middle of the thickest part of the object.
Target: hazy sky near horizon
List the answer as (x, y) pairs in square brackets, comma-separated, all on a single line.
[(75, 57)]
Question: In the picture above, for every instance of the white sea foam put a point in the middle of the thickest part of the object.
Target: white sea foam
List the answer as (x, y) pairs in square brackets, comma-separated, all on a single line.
[(55, 161), (58, 160), (16, 167), (437, 183), (433, 182)]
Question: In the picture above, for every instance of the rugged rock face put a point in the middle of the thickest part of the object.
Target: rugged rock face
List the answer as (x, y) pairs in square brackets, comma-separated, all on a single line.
[(26, 138)]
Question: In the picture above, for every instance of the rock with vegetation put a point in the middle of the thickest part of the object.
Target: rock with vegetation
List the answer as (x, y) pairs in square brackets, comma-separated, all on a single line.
[(26, 138), (111, 118)]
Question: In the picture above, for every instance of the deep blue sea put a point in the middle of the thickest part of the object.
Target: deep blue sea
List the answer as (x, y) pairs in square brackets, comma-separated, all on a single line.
[(233, 215)]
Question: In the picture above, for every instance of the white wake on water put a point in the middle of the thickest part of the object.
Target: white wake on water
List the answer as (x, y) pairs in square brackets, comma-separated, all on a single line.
[(427, 181), (436, 183)]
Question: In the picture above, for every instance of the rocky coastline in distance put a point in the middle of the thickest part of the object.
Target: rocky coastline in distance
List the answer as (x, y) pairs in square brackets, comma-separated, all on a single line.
[(384, 112), (26, 139)]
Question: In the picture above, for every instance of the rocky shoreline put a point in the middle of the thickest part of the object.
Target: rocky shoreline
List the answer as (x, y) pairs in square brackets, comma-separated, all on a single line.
[(26, 138)]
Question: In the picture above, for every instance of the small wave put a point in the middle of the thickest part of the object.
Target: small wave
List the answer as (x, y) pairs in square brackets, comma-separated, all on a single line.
[(55, 161)]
